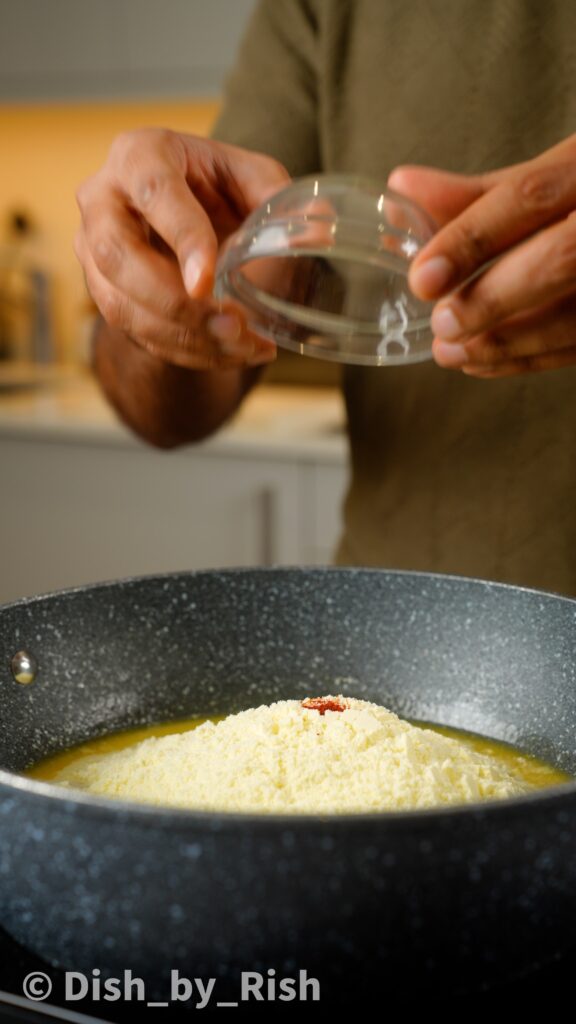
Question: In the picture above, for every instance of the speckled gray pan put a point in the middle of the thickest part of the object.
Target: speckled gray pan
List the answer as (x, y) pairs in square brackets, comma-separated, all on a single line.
[(463, 896)]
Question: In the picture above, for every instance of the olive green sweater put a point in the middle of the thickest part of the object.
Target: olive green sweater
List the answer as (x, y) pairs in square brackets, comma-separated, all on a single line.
[(448, 473)]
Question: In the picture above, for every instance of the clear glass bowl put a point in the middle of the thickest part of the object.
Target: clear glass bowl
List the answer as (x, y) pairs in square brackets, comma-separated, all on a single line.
[(322, 269)]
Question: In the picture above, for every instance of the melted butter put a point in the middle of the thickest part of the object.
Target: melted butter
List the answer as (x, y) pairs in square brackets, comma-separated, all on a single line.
[(530, 769), (48, 768)]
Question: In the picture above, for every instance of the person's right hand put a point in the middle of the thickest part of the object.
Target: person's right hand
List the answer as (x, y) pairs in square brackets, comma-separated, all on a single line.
[(153, 219)]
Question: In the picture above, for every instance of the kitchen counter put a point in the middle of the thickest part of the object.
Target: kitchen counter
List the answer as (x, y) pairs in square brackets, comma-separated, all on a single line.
[(278, 421)]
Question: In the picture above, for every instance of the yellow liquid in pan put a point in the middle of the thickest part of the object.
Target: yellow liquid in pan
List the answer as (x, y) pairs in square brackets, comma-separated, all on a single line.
[(533, 771)]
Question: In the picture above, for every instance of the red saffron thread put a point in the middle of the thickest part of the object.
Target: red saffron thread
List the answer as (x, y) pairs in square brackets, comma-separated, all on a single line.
[(323, 704)]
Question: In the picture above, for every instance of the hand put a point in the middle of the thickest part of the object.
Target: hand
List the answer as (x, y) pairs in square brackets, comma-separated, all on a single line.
[(519, 315), (152, 220)]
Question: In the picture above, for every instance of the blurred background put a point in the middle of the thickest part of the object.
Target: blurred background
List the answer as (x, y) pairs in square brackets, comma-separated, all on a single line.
[(72, 76), (81, 498)]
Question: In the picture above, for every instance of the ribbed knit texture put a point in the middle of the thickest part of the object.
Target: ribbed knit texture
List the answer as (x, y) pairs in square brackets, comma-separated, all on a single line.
[(449, 473)]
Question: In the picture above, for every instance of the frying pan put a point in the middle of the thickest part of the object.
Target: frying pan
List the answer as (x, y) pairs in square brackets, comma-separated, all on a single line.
[(462, 896)]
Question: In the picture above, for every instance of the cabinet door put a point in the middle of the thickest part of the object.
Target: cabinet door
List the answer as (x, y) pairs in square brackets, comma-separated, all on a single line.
[(74, 513), (67, 49), (323, 490)]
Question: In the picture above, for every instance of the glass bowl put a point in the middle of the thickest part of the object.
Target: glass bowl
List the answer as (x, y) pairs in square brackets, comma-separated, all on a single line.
[(321, 269)]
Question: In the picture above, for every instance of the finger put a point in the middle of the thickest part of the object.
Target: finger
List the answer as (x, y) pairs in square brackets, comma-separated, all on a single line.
[(181, 184), (79, 245), (123, 255), (540, 271), (212, 338), (522, 202), (446, 194), (205, 349), (442, 194), (152, 178), (530, 364), (247, 179), (548, 330)]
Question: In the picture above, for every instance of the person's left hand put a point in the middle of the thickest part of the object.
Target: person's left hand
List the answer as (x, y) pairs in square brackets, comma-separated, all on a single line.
[(519, 315)]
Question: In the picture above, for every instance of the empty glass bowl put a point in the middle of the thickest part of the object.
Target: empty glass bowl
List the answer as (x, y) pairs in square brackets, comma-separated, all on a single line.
[(322, 269)]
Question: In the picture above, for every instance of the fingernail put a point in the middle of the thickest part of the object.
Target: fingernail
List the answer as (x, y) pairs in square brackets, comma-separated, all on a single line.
[(433, 277), (263, 355), (450, 355), (486, 370), (445, 323), (227, 330), (192, 273)]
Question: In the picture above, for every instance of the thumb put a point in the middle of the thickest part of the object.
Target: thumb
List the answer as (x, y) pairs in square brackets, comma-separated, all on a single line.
[(442, 194)]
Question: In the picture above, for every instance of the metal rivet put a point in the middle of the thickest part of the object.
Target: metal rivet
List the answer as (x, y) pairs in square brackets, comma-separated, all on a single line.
[(24, 667)]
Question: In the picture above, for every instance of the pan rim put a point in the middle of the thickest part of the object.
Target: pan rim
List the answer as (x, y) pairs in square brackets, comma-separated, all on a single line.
[(152, 815), (78, 801), (320, 570)]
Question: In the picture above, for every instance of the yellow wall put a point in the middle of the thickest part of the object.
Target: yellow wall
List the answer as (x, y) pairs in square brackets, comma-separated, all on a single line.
[(45, 152)]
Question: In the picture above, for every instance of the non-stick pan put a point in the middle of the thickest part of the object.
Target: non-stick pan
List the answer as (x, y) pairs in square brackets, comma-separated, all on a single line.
[(463, 896)]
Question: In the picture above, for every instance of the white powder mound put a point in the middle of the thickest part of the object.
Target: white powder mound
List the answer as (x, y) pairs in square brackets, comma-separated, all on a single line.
[(290, 758)]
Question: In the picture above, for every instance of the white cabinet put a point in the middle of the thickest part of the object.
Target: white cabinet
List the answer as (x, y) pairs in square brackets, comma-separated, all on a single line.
[(323, 488), (79, 511)]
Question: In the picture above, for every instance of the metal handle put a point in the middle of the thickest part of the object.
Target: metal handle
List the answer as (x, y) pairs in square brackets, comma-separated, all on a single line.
[(26, 1010), (268, 526)]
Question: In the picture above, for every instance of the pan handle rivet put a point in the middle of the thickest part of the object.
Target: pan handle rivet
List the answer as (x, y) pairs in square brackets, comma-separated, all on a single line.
[(24, 667)]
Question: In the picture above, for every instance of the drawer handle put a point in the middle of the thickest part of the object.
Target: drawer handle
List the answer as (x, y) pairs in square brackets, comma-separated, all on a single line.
[(268, 526)]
